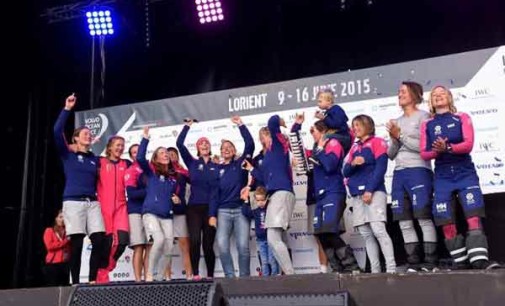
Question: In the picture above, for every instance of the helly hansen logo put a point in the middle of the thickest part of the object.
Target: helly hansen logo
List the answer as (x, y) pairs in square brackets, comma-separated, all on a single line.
[(441, 207)]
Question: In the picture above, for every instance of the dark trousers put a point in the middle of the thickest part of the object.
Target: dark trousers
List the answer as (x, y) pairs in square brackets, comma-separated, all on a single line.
[(197, 217)]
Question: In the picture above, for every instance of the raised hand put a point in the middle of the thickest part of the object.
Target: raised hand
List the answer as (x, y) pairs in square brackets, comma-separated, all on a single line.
[(70, 101), (300, 118), (188, 121), (145, 132), (237, 120)]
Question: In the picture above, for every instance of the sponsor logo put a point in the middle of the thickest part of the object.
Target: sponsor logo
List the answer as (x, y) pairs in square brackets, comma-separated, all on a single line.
[(441, 207), (221, 172), (484, 111), (217, 128), (200, 167), (497, 164), (297, 216), (470, 198), (438, 130), (414, 200), (487, 146), (299, 183), (119, 275), (97, 125), (451, 125), (297, 235), (395, 204)]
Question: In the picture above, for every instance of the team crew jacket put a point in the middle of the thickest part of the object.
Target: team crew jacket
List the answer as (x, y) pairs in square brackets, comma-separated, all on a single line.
[(276, 169), (182, 180), (370, 175), (203, 176), (328, 176), (458, 130), (335, 118), (135, 188), (111, 193), (258, 214), (258, 163), (159, 188), (81, 169), (232, 178)]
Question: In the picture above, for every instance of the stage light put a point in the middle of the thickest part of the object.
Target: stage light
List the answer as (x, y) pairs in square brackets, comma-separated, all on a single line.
[(100, 22), (209, 11)]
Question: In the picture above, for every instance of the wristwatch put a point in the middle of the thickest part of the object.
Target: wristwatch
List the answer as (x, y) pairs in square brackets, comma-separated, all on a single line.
[(448, 147)]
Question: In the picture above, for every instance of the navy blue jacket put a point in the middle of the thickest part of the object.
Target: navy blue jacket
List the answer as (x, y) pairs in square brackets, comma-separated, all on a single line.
[(336, 118), (159, 188), (203, 176), (276, 169), (81, 169), (232, 178), (258, 215)]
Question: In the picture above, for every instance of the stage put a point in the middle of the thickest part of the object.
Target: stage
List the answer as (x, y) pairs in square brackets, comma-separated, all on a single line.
[(442, 288)]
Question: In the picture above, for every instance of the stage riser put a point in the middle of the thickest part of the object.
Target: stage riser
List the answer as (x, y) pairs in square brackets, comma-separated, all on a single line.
[(483, 288)]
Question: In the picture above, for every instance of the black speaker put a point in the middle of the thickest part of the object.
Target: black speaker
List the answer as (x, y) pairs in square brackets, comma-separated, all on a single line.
[(340, 298), (204, 293)]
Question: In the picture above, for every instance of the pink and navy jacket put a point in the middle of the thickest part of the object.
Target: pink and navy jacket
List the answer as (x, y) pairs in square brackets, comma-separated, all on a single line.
[(328, 176), (458, 130), (370, 175), (135, 188), (276, 170)]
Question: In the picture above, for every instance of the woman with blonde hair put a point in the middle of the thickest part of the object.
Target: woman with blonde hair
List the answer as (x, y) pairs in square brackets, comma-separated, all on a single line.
[(448, 138)]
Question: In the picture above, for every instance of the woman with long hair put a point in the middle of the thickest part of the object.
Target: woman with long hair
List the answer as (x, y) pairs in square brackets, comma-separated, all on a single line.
[(157, 210), (112, 197), (57, 245), (81, 210), (448, 138), (180, 224), (203, 177)]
